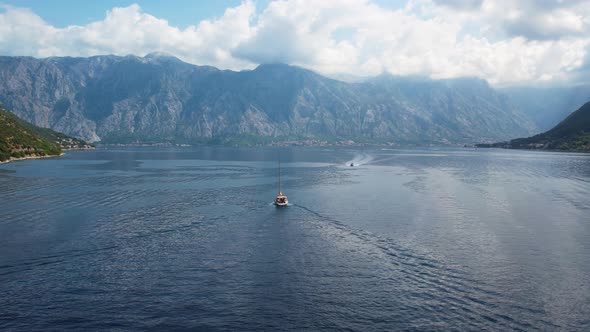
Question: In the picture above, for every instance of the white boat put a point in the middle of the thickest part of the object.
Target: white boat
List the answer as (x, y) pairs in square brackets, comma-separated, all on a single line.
[(281, 200)]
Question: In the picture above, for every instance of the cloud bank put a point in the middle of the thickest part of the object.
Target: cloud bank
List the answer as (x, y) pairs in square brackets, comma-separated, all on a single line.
[(504, 42)]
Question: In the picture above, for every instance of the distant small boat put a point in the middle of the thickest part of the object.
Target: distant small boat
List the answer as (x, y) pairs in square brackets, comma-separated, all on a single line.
[(281, 200), (351, 164)]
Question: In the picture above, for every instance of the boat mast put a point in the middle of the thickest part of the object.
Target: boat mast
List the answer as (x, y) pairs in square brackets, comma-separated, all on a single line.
[(280, 175)]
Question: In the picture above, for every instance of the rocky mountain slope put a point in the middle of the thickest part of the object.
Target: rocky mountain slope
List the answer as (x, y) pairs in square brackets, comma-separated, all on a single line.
[(19, 139), (162, 99), (571, 134)]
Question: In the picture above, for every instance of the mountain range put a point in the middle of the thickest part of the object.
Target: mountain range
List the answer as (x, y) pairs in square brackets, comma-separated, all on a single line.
[(159, 98)]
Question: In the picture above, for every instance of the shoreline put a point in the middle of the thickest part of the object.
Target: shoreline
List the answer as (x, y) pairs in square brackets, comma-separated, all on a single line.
[(30, 157), (47, 156), (532, 149)]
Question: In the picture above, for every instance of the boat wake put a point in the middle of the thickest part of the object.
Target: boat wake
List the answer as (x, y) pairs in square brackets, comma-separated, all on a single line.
[(478, 305), (359, 160)]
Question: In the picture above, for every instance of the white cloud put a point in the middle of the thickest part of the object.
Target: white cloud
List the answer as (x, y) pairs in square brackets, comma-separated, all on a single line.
[(128, 30), (531, 19), (504, 42)]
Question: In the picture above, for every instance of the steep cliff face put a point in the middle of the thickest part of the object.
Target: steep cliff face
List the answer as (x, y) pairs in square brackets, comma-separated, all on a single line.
[(160, 98), (457, 110)]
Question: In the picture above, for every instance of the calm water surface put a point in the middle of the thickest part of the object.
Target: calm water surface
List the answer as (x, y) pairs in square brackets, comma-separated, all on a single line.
[(186, 239)]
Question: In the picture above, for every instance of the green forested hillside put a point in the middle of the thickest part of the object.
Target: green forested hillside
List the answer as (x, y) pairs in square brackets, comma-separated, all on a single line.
[(19, 139), (571, 134)]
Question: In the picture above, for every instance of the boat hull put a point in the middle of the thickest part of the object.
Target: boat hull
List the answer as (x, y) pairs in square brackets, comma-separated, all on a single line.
[(280, 204)]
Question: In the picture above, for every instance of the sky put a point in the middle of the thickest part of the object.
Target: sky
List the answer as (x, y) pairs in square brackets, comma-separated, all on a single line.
[(526, 42)]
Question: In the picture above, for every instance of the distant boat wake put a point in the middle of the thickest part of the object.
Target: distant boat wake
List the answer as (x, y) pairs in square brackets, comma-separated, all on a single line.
[(359, 160)]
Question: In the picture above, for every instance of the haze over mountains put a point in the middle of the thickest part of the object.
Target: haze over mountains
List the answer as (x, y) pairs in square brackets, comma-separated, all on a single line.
[(159, 98), (547, 106)]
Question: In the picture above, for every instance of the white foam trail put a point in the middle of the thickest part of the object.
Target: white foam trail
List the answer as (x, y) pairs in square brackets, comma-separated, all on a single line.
[(360, 159), (380, 160)]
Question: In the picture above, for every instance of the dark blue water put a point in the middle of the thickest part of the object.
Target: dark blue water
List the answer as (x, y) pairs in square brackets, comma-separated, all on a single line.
[(186, 239)]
